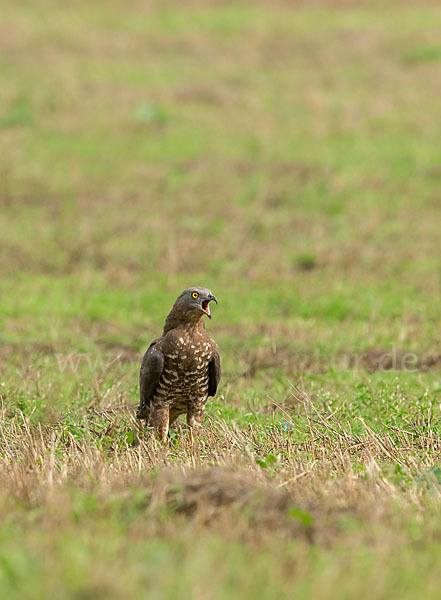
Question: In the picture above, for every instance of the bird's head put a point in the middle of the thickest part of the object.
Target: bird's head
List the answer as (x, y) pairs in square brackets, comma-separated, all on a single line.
[(189, 308), (196, 300)]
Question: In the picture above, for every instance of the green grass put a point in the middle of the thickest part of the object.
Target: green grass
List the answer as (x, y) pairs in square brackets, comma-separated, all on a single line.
[(286, 157)]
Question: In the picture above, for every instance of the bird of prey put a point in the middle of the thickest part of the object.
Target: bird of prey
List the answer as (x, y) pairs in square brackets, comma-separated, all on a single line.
[(182, 367)]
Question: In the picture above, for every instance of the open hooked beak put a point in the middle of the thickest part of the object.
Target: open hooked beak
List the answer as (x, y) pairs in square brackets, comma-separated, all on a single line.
[(205, 305)]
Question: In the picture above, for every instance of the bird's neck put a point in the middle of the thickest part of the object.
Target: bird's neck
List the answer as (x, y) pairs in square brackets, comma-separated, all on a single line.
[(186, 320)]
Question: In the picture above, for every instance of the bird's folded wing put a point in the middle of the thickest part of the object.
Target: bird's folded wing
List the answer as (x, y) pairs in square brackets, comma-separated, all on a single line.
[(151, 369), (214, 373)]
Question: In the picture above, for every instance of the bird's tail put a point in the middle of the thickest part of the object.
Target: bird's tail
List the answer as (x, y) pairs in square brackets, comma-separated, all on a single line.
[(143, 412)]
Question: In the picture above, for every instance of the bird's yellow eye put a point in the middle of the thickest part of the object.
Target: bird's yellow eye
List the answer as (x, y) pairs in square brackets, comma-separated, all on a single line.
[(195, 295)]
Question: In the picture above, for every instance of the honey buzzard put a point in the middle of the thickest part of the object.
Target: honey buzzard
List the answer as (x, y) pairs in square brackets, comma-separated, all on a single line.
[(182, 367)]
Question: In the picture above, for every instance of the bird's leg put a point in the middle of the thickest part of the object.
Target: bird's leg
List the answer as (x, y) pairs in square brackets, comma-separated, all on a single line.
[(159, 419), (194, 422), (195, 418)]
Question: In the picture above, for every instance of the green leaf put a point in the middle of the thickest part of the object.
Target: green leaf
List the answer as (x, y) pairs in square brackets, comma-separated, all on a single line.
[(301, 515)]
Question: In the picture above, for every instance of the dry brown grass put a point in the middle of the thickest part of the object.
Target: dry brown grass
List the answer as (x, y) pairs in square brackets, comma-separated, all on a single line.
[(245, 484)]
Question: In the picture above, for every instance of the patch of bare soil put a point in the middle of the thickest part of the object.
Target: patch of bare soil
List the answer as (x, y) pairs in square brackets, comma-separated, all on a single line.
[(25, 350), (219, 496), (377, 359), (371, 360)]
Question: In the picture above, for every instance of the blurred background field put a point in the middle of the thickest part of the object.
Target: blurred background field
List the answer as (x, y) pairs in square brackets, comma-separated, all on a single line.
[(286, 155)]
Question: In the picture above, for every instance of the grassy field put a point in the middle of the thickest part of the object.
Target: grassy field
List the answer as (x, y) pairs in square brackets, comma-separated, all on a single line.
[(286, 155)]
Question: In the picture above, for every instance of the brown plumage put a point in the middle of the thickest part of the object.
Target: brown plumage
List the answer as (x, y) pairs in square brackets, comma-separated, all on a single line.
[(182, 367)]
